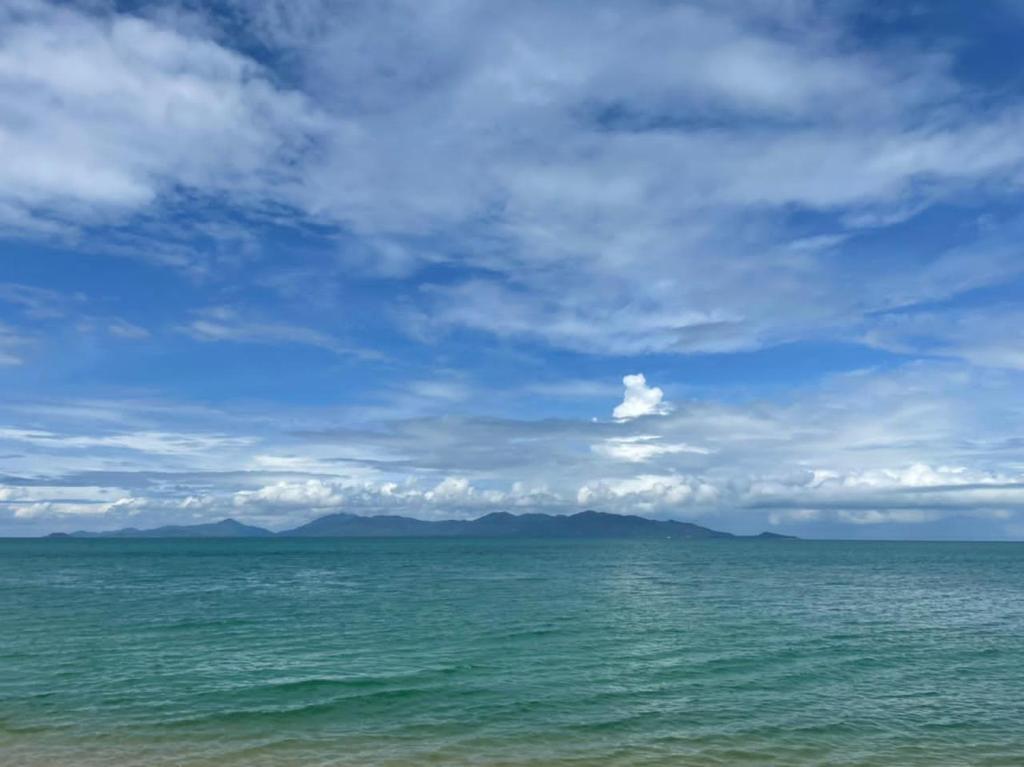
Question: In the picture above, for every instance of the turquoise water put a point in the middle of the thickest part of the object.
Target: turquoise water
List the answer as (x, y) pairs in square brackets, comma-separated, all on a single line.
[(471, 652)]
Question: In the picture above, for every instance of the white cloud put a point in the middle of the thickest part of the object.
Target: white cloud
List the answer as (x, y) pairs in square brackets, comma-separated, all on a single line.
[(631, 194), (640, 399), (648, 493), (107, 112), (874, 517), (991, 335), (9, 341), (226, 324), (313, 494), (36, 493), (37, 303), (794, 515), (56, 509), (160, 443), (643, 447), (450, 489), (685, 135), (451, 497), (127, 330)]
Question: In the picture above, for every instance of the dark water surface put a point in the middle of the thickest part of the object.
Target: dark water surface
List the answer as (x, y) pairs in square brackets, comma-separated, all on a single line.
[(477, 652)]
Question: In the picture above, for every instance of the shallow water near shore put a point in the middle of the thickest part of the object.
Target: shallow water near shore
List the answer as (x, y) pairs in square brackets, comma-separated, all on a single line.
[(506, 652)]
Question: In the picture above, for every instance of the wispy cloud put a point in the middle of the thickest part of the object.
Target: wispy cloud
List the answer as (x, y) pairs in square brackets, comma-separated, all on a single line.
[(10, 341), (226, 324), (35, 302)]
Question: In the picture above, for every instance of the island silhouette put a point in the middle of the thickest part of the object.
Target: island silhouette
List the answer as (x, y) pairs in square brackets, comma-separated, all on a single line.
[(502, 524)]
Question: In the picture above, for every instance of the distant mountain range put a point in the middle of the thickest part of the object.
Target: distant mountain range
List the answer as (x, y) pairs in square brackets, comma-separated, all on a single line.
[(226, 528), (585, 524)]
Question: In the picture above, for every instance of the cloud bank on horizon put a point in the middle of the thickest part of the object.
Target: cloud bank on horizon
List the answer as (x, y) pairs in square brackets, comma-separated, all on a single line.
[(752, 263)]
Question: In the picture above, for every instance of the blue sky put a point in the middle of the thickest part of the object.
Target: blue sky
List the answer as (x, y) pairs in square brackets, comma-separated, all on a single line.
[(752, 264)]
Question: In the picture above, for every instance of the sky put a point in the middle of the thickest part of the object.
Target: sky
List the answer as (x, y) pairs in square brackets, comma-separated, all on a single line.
[(754, 264)]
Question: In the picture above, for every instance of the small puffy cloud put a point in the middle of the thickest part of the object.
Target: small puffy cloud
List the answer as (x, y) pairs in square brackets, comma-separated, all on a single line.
[(640, 399), (450, 489)]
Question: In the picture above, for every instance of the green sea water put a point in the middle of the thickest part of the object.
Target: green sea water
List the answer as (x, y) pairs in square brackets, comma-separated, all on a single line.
[(501, 652)]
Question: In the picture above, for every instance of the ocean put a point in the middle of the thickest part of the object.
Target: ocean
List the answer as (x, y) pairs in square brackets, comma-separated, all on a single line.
[(359, 653)]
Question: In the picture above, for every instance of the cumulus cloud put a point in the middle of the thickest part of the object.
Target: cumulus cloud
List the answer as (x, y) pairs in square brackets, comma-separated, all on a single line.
[(450, 489), (449, 497), (649, 492), (312, 494), (26, 503), (640, 399)]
